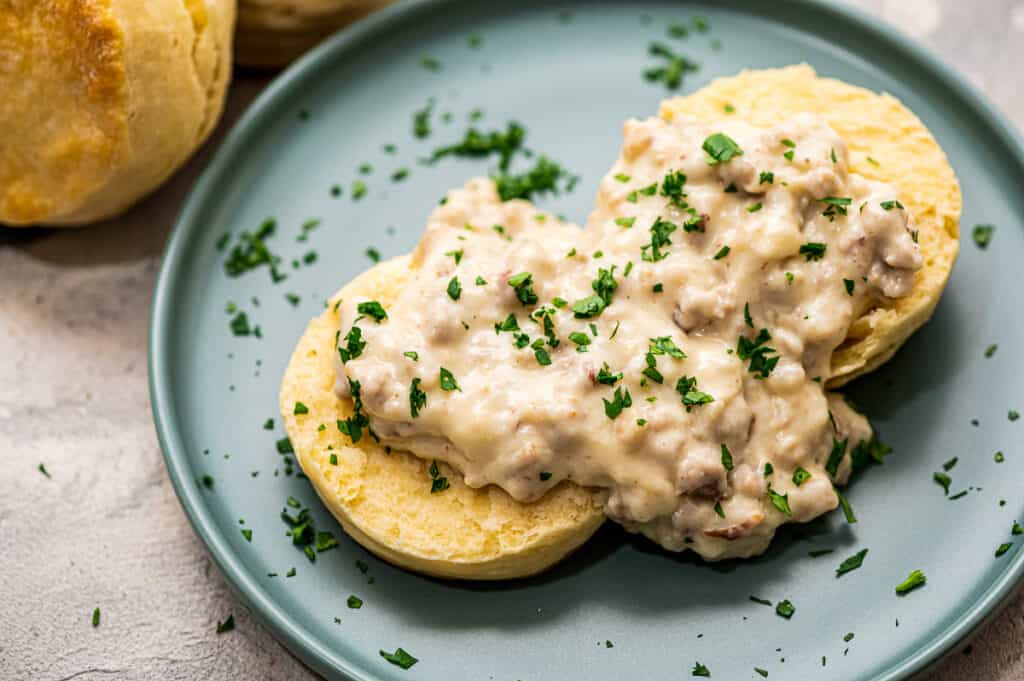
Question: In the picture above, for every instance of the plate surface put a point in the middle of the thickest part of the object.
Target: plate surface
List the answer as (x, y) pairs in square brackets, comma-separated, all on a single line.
[(571, 73)]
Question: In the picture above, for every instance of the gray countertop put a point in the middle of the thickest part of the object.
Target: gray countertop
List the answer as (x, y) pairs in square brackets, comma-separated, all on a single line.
[(107, 529)]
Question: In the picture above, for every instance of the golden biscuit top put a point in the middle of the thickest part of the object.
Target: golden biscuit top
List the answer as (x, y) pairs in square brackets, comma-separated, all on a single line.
[(62, 61)]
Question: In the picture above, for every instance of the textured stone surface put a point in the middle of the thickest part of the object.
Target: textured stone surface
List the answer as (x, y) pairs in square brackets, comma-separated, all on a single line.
[(107, 530)]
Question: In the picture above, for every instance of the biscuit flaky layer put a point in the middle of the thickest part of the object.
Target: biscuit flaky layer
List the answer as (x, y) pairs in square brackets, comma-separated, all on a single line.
[(383, 500), (103, 100)]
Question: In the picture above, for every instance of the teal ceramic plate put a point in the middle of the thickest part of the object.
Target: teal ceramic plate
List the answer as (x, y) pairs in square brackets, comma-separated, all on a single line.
[(571, 72)]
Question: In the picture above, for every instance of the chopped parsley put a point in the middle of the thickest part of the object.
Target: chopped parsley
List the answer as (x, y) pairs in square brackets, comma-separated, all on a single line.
[(421, 120), (754, 208), (761, 364), (848, 283), (718, 509), (766, 178), (42, 469), (660, 232), (785, 609), (780, 501), (227, 625), (448, 382), (399, 658), (943, 480), (800, 476), (914, 580), (358, 190), (373, 309), (982, 235), (430, 64), (509, 324), (835, 457), (544, 476), (239, 325), (847, 508), (581, 340), (475, 144), (454, 288), (620, 400), (606, 377), (1003, 548), (625, 222), (417, 398), (851, 563), (588, 307), (300, 409), (622, 177), (889, 205), (457, 255), (675, 66), (354, 602), (96, 617), (721, 148), (399, 174), (438, 483), (726, 458), (813, 250), (354, 344), (722, 252), (701, 670), (686, 386), (991, 350), (544, 177), (522, 283), (663, 345), (252, 252)]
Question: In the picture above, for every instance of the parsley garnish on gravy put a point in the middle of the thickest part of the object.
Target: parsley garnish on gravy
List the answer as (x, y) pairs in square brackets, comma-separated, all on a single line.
[(532, 351), (721, 148)]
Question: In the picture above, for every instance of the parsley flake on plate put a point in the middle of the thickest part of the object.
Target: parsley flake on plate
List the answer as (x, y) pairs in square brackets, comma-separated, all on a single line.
[(913, 581), (851, 563), (399, 658), (982, 235)]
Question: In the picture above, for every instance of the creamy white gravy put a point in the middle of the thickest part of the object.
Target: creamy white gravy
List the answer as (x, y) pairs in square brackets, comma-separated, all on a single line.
[(700, 439)]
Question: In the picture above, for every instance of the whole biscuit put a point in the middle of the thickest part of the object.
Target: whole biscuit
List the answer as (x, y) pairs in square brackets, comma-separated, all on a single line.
[(272, 33), (103, 100)]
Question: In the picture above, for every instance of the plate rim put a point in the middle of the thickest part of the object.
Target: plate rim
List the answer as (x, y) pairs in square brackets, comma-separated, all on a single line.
[(296, 637)]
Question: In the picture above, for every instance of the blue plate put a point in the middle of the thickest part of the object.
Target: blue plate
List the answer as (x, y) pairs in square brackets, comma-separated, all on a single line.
[(571, 72)]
